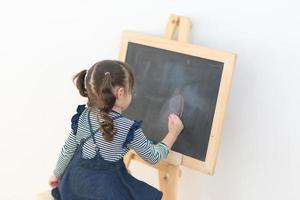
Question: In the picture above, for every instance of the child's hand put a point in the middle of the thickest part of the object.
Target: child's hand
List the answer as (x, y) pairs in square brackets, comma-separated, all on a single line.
[(175, 127), (174, 124), (53, 181)]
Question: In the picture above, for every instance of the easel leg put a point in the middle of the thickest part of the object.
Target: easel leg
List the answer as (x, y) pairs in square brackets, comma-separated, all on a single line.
[(163, 176), (127, 159), (168, 182)]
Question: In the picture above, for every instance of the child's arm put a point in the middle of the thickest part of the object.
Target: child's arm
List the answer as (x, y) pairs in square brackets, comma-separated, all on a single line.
[(153, 153), (66, 155), (148, 151)]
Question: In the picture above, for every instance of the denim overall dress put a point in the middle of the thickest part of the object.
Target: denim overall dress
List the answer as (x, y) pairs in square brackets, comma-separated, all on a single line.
[(99, 179)]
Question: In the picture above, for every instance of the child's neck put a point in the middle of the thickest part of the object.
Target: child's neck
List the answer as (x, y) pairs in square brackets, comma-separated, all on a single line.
[(117, 108)]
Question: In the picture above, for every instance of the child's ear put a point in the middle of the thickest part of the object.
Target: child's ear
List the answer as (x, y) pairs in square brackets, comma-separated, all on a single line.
[(120, 92)]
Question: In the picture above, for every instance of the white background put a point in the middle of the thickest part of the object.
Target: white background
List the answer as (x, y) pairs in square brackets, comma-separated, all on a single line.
[(43, 44)]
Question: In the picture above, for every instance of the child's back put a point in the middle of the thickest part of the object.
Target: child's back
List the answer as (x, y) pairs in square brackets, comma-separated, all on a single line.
[(91, 165)]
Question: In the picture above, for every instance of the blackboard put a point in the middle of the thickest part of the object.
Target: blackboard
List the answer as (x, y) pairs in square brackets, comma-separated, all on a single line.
[(161, 74), (197, 78)]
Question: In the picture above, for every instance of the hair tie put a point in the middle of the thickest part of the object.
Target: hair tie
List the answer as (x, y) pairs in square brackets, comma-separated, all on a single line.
[(106, 73)]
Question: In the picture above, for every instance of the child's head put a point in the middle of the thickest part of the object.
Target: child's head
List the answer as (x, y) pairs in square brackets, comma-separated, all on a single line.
[(107, 84)]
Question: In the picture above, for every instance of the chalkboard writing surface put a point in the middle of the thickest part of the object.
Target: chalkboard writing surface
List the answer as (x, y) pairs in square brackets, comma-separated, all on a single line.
[(190, 80), (161, 74)]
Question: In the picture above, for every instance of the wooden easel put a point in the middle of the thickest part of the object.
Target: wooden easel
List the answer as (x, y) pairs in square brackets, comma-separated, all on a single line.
[(169, 171), (169, 168)]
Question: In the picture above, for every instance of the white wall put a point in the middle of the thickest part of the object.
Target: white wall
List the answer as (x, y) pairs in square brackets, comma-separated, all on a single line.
[(42, 44)]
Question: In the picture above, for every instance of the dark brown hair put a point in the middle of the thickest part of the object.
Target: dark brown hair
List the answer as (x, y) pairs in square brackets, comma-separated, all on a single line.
[(97, 85)]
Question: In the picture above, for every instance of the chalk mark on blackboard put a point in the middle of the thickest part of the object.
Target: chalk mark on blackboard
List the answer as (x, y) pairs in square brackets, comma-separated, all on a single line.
[(174, 104)]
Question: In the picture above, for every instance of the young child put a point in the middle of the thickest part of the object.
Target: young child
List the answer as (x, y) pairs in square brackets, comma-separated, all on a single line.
[(90, 165)]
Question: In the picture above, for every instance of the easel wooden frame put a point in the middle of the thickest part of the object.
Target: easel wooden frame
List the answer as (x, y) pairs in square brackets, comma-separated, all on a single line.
[(169, 171)]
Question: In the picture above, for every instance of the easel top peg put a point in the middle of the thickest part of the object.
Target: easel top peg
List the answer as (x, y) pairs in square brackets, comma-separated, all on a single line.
[(182, 24)]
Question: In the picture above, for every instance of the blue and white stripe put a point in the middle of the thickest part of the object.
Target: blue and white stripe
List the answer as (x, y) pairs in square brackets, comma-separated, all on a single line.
[(111, 151)]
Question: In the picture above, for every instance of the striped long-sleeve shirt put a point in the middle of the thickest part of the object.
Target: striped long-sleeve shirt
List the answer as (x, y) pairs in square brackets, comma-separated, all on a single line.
[(111, 151)]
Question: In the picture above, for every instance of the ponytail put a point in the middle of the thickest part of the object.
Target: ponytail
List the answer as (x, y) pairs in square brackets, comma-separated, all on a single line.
[(80, 82), (108, 100)]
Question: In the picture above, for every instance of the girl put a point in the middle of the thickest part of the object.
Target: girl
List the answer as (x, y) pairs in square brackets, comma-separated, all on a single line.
[(90, 165)]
